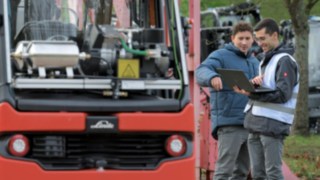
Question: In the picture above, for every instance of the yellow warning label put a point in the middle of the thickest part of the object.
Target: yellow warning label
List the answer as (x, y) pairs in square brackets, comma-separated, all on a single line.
[(128, 68)]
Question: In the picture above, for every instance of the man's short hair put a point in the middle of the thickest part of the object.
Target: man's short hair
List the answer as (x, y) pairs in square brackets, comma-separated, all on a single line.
[(241, 27), (269, 24)]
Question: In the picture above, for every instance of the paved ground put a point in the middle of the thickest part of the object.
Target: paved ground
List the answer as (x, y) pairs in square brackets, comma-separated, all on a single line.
[(288, 174)]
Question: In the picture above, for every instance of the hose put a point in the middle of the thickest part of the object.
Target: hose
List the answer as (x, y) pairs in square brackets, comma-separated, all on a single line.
[(133, 51)]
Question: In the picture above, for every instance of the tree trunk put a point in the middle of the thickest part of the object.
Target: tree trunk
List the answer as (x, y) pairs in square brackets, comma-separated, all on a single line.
[(301, 30), (301, 123)]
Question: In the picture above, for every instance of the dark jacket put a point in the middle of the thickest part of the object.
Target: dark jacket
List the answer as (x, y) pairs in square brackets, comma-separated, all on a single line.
[(226, 105), (283, 93)]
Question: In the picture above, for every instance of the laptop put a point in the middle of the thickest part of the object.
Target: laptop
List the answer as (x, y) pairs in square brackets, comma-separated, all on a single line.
[(233, 77)]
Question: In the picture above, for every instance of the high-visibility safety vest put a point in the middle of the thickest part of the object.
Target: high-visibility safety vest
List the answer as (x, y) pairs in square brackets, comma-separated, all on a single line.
[(280, 112)]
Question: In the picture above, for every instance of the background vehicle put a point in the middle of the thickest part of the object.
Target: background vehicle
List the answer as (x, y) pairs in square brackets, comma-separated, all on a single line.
[(85, 94), (217, 22)]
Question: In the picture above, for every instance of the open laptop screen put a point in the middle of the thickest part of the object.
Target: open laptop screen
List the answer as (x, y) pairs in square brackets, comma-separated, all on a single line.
[(233, 77)]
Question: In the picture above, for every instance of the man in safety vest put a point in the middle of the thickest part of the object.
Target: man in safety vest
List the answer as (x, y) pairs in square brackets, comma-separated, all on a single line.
[(270, 115)]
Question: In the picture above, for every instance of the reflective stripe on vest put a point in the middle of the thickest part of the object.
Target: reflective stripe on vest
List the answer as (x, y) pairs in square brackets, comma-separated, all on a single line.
[(276, 107)]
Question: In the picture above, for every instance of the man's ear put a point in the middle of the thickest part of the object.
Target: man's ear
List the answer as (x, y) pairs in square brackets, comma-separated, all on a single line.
[(232, 37), (275, 35)]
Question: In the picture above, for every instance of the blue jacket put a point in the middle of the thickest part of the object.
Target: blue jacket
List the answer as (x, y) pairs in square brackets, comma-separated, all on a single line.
[(226, 105)]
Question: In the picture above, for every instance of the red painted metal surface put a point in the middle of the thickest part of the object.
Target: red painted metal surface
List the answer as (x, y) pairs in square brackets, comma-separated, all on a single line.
[(209, 146), (17, 170), (193, 59), (122, 12), (11, 120), (206, 147), (181, 121)]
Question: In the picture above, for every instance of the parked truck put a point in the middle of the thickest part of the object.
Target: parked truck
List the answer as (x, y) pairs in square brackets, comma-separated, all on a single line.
[(314, 75)]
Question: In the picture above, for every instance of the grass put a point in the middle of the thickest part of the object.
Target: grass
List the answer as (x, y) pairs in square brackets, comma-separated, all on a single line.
[(302, 155)]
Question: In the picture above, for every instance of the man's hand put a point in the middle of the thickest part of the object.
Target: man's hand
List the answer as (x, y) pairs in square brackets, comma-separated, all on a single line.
[(257, 81), (241, 91), (216, 83)]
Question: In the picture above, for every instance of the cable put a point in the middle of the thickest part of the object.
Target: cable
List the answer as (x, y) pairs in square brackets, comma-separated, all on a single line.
[(174, 49), (133, 51)]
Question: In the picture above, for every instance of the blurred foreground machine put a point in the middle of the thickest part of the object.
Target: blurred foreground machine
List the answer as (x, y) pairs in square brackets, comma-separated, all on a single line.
[(94, 90)]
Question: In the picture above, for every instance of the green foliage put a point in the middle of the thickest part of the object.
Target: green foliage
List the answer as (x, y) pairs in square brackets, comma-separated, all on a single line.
[(184, 7), (269, 8), (302, 155)]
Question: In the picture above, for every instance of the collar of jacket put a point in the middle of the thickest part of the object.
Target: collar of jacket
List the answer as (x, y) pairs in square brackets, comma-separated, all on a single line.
[(282, 48), (231, 47)]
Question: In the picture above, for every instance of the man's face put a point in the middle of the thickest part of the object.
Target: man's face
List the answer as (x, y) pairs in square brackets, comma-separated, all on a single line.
[(243, 41), (266, 41)]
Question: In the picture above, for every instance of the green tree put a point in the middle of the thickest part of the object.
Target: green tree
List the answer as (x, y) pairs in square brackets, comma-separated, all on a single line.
[(299, 11)]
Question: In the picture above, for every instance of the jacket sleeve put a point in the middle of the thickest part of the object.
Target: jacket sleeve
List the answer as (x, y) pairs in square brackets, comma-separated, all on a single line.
[(206, 70), (286, 78)]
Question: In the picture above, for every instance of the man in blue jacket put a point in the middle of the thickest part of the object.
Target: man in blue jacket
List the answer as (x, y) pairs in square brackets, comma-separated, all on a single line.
[(227, 107)]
